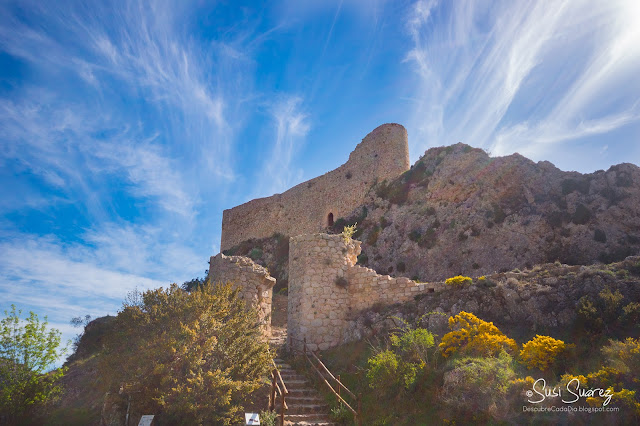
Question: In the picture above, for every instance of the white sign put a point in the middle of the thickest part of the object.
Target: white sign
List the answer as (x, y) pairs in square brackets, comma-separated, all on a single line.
[(252, 418), (146, 420)]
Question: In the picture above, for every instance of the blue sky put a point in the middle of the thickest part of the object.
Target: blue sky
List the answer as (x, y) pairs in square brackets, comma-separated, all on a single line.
[(127, 127)]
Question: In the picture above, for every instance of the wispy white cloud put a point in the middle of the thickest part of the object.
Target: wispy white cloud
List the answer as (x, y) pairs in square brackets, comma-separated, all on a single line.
[(60, 145), (522, 76), (291, 125)]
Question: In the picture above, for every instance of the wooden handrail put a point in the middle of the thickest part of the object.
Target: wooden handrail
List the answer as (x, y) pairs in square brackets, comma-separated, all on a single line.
[(332, 376), (279, 376), (276, 390), (331, 387), (356, 414)]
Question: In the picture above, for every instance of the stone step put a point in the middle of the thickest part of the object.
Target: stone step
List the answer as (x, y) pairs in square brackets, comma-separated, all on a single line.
[(296, 384), (304, 399), (292, 376), (299, 392), (310, 419), (307, 409)]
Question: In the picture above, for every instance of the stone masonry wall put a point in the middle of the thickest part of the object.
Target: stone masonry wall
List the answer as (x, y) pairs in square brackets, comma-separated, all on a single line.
[(327, 290), (254, 283), (305, 208)]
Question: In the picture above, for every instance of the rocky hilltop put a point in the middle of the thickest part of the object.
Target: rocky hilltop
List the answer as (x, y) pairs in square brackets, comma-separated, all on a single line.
[(459, 211)]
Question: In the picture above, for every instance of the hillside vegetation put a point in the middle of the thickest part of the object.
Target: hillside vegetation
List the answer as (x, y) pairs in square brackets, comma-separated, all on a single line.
[(435, 359)]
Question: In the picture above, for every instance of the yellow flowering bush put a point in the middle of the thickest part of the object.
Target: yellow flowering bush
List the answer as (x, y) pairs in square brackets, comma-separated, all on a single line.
[(541, 351), (474, 336), (458, 281)]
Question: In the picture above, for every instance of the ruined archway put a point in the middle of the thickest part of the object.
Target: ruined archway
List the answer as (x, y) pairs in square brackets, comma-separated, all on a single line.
[(330, 220)]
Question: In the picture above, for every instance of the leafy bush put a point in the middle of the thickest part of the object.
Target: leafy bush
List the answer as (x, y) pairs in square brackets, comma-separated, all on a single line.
[(485, 282), (458, 281), (479, 385), (623, 356), (256, 253), (268, 418), (341, 414), (474, 336), (382, 370), (603, 312), (27, 349), (191, 358), (631, 314), (541, 351), (363, 259), (401, 267), (413, 344)]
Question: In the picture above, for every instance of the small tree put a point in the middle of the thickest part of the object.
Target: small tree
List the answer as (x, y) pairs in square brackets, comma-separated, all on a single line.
[(541, 351), (27, 349), (192, 358)]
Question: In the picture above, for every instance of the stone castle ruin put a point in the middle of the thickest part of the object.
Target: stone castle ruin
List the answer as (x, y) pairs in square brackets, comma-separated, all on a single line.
[(326, 287), (313, 205)]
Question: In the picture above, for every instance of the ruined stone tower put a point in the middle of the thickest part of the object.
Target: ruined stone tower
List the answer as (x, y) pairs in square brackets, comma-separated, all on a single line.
[(313, 205)]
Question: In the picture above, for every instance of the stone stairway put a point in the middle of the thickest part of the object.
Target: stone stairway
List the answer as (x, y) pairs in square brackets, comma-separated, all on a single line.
[(306, 406)]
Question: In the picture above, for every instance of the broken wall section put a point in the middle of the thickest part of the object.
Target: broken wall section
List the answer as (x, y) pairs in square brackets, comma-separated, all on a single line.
[(253, 281), (327, 290)]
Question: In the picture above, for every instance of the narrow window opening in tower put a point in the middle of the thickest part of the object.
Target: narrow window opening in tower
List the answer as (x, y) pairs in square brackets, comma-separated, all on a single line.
[(330, 220)]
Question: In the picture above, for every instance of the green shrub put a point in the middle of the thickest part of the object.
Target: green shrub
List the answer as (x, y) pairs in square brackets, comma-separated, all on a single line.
[(631, 314), (623, 356), (341, 415), (611, 303), (635, 268), (382, 370), (458, 281), (363, 259), (484, 282), (413, 344), (268, 418), (479, 386), (256, 253), (401, 267), (588, 314)]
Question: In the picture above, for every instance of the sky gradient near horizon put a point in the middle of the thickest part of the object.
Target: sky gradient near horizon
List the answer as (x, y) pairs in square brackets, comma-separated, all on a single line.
[(126, 127)]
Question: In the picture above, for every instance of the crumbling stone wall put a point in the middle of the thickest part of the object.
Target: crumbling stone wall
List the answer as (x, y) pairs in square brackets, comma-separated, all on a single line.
[(254, 283), (305, 208), (327, 290)]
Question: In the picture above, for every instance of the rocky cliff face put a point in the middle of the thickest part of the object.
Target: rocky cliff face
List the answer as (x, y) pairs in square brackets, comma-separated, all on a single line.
[(458, 211)]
